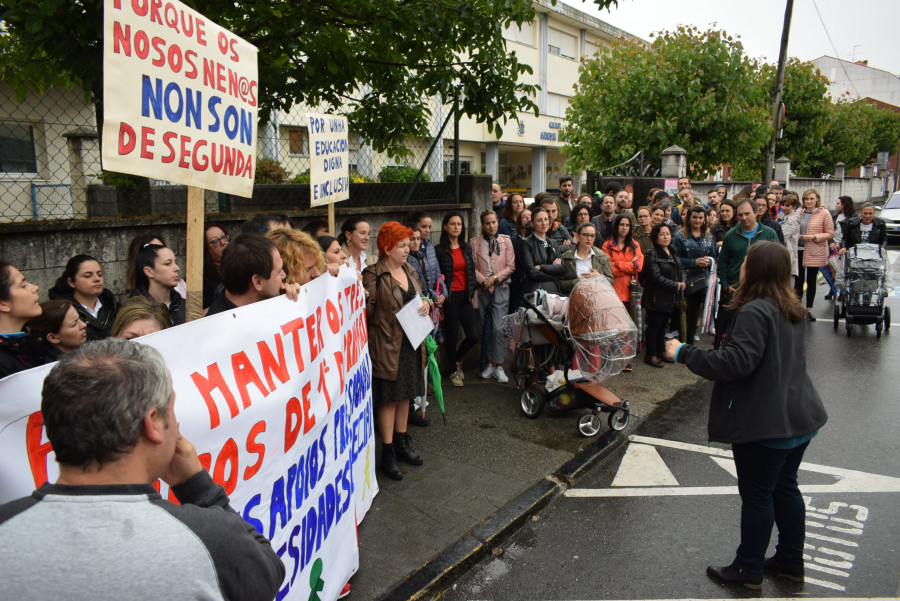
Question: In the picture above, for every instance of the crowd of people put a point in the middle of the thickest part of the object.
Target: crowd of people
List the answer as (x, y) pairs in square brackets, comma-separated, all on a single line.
[(660, 253)]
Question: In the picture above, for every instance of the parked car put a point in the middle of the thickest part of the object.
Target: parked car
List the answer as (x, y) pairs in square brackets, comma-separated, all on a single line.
[(890, 213)]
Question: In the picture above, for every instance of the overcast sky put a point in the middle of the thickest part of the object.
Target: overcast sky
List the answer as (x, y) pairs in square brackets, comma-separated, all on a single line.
[(867, 30)]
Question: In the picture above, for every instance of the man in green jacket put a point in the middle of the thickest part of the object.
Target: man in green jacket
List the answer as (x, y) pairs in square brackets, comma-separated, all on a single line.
[(731, 257)]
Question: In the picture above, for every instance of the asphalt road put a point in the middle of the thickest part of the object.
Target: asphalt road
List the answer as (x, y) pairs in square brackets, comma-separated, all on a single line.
[(646, 522)]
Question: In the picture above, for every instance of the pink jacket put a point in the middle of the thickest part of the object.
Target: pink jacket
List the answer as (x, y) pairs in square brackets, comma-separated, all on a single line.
[(815, 252), (503, 264)]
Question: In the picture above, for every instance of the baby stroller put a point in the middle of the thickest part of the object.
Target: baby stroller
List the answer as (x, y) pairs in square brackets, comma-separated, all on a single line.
[(863, 289), (594, 339)]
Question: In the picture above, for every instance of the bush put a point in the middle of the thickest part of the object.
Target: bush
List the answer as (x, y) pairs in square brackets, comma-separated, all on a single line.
[(301, 178), (404, 174), (357, 178), (269, 171)]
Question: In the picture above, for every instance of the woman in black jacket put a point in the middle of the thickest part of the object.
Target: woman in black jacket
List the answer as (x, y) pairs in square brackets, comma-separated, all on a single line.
[(540, 256), (19, 302), (765, 405), (83, 285), (156, 274), (455, 258), (662, 278)]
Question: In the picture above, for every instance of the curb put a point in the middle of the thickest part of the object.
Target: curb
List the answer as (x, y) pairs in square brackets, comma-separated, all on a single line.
[(432, 578)]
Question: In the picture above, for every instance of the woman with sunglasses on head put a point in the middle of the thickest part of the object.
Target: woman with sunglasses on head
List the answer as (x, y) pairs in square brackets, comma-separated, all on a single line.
[(82, 284), (216, 239)]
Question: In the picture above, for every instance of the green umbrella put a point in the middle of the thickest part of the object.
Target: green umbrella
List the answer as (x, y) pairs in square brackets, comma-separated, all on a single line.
[(435, 374)]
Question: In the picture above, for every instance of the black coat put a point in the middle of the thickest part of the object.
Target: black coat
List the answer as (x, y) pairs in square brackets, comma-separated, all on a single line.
[(99, 327), (445, 260), (20, 353), (176, 304), (853, 234), (660, 278), (762, 390), (533, 253)]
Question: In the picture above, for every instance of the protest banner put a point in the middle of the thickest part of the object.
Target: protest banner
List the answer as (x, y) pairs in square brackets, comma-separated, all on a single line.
[(180, 97), (329, 163), (276, 397)]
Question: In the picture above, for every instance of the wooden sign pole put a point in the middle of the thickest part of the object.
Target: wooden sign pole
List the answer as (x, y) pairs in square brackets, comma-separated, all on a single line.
[(195, 242), (331, 220)]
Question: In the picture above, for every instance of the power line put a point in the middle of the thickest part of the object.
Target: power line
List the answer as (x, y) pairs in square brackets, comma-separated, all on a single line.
[(827, 35)]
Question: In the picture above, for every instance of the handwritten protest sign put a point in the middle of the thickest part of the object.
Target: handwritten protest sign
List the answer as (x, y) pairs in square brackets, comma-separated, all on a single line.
[(276, 396), (180, 97), (329, 163)]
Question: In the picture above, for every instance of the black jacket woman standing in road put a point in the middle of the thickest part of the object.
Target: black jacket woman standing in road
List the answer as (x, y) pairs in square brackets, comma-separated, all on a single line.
[(765, 405)]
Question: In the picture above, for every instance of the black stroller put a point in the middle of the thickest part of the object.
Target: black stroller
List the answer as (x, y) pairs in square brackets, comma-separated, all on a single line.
[(863, 289)]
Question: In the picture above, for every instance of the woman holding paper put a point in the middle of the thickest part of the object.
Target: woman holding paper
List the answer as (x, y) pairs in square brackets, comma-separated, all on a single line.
[(397, 368)]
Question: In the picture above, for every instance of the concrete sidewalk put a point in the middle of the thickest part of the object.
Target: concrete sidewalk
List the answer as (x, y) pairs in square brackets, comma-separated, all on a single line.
[(486, 471)]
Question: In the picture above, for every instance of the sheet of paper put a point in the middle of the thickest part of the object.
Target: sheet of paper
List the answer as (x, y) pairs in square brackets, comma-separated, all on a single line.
[(416, 326)]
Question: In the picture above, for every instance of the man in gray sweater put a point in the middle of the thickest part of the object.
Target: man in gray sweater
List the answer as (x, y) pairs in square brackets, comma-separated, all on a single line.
[(102, 531)]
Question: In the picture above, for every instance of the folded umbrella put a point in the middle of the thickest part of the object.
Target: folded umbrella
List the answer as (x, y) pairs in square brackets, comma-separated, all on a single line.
[(434, 373)]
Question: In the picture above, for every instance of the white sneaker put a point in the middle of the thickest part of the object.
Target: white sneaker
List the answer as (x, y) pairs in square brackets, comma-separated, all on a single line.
[(487, 372), (672, 334), (501, 375), (696, 337)]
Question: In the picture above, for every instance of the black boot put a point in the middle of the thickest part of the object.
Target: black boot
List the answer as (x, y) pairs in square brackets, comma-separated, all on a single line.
[(403, 451), (389, 462)]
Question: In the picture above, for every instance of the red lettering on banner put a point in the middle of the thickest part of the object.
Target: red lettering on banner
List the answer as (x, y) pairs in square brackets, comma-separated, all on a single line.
[(244, 375), (167, 140), (127, 139), (255, 447), (147, 134), (121, 39), (293, 327), (323, 384), (155, 5), (206, 386), (334, 318), (292, 421), (339, 360), (37, 450), (205, 460), (228, 457), (200, 166), (313, 334), (270, 365), (308, 420), (184, 162)]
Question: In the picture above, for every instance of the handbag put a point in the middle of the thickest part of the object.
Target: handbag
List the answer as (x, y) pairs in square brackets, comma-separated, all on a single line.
[(524, 361), (695, 285)]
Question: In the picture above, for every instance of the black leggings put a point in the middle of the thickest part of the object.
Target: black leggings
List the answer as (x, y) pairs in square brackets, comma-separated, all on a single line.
[(808, 275), (458, 311)]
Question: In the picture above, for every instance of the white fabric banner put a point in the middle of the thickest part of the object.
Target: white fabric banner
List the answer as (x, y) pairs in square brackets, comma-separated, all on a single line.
[(329, 159), (180, 97), (276, 396)]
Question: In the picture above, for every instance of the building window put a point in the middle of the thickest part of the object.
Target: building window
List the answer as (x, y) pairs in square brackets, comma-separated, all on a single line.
[(465, 166), (523, 34), (562, 44), (17, 149), (556, 105), (298, 141)]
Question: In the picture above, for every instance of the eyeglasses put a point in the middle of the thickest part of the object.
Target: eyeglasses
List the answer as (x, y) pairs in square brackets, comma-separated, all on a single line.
[(643, 216), (220, 241)]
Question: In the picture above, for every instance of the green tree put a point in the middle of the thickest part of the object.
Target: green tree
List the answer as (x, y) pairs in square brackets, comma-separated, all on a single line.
[(808, 111), (380, 62), (848, 138), (691, 88), (886, 130)]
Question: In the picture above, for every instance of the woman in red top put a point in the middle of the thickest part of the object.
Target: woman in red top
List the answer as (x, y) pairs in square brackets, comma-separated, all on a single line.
[(455, 258), (625, 257)]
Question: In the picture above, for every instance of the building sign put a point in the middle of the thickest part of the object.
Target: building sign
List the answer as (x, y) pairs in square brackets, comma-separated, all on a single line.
[(180, 97)]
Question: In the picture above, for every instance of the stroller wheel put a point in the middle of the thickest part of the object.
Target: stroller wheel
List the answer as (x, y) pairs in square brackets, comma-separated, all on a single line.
[(837, 316), (532, 402), (618, 420), (589, 424), (878, 326), (849, 328), (887, 319)]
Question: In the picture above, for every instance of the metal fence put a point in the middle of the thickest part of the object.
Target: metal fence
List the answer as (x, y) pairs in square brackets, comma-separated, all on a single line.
[(50, 165)]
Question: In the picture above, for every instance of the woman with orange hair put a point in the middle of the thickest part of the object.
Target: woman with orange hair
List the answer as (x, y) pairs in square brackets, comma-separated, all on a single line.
[(397, 368)]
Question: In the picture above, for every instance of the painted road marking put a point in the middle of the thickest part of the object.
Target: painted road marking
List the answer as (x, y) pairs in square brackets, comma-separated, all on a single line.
[(642, 466), (851, 481)]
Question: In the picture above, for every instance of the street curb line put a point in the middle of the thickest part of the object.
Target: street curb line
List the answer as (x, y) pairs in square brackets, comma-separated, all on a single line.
[(432, 578)]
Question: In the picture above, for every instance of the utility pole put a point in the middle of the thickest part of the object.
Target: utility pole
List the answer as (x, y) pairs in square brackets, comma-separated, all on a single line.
[(779, 84)]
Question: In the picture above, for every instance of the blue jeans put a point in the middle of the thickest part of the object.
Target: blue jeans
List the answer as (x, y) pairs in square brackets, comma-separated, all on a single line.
[(767, 481)]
